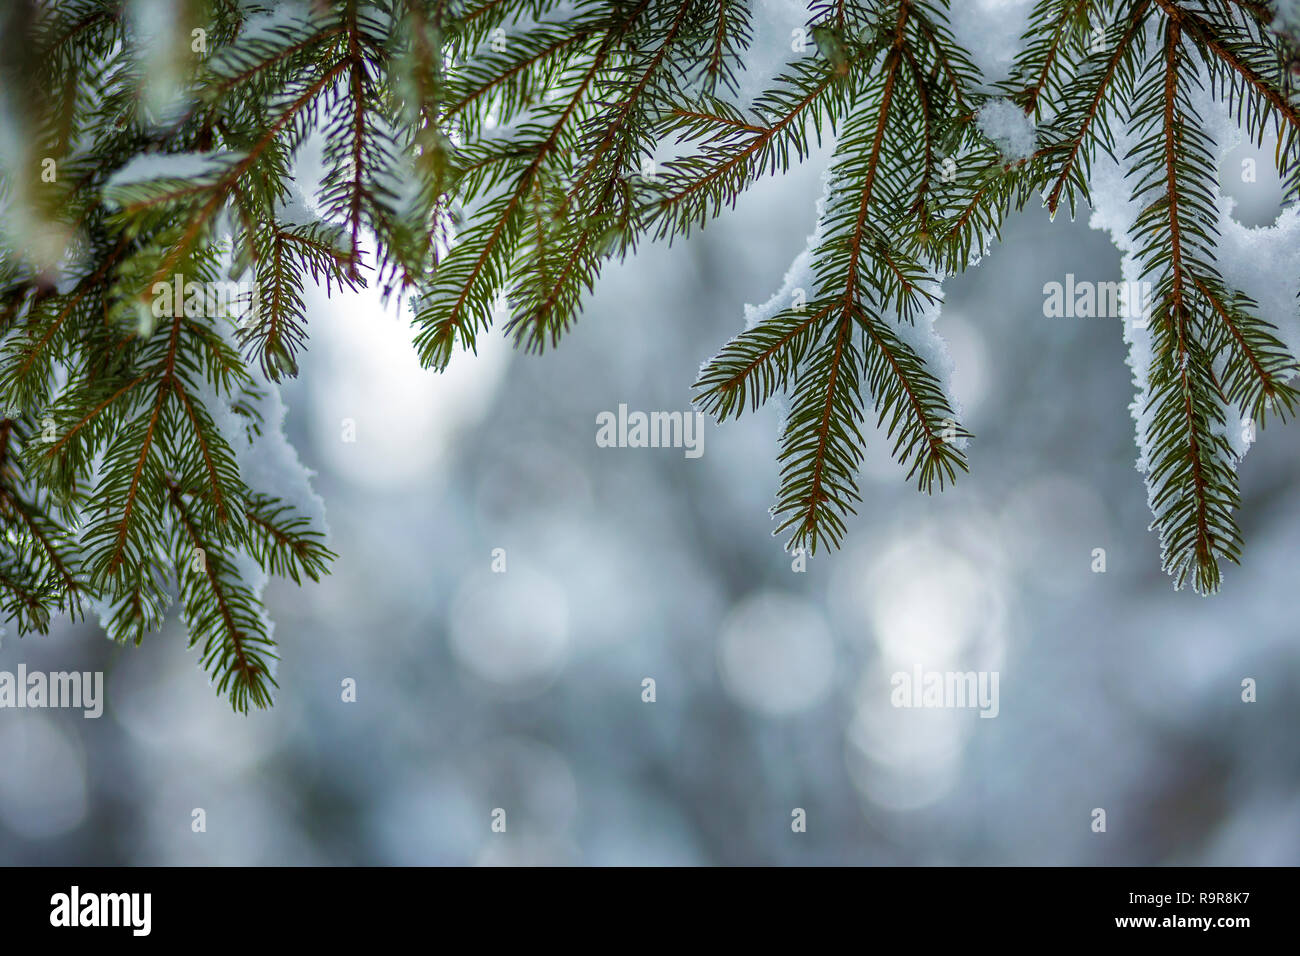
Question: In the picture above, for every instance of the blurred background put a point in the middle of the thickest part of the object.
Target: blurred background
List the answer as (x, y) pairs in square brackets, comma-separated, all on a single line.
[(523, 690)]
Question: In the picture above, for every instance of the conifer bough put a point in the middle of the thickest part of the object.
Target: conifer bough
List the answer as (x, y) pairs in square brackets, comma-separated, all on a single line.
[(488, 154)]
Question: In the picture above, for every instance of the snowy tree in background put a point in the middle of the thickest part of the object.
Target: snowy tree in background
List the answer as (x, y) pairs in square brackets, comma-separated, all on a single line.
[(488, 156)]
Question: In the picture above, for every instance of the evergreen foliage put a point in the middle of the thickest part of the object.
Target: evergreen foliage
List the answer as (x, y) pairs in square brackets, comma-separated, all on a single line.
[(480, 151)]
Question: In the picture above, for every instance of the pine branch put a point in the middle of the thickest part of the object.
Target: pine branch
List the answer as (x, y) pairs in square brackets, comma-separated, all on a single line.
[(821, 446), (473, 274), (1106, 80), (1192, 479), (222, 612), (41, 575), (868, 279), (1052, 46)]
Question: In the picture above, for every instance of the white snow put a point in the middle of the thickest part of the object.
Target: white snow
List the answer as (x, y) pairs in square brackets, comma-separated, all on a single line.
[(990, 31), (287, 13), (295, 209), (798, 278), (152, 166), (1007, 126), (773, 26), (270, 465)]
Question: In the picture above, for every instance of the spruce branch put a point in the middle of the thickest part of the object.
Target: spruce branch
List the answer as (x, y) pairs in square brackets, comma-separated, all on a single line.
[(221, 612)]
